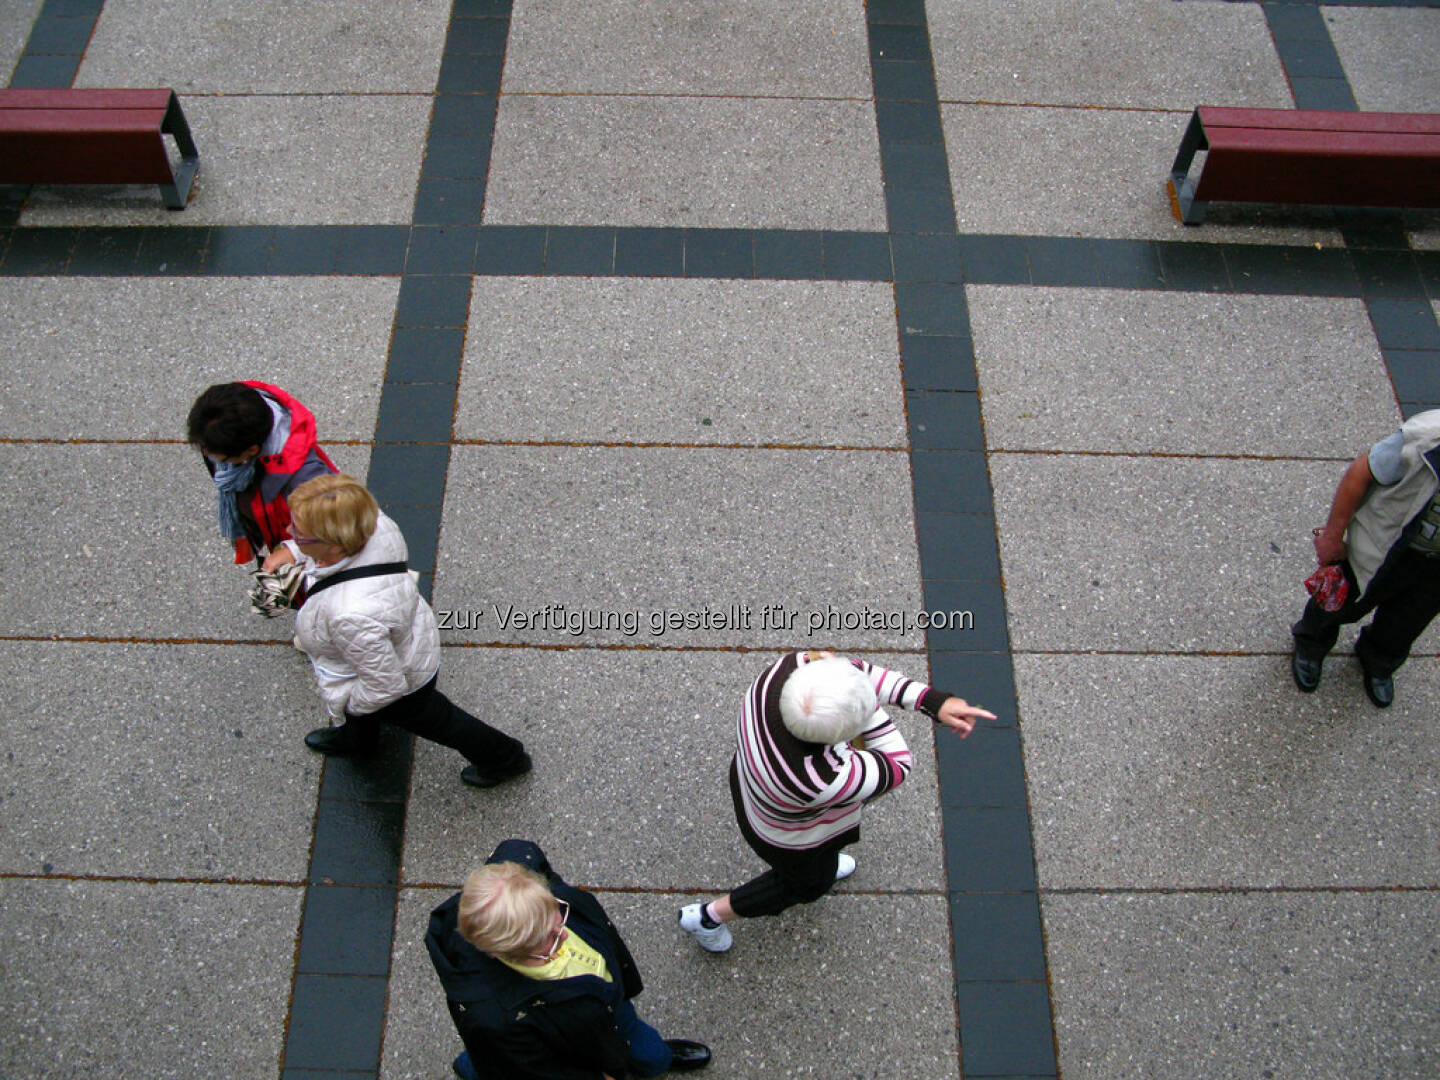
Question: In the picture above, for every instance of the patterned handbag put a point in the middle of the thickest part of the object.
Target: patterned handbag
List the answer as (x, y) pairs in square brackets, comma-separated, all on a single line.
[(1329, 587), (274, 592)]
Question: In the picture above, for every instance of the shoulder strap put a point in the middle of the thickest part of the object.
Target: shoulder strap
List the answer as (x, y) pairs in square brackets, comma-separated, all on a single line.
[(378, 570)]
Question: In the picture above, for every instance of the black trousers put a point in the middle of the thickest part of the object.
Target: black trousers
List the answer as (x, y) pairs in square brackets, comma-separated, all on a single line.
[(794, 877), (1405, 596), (428, 713)]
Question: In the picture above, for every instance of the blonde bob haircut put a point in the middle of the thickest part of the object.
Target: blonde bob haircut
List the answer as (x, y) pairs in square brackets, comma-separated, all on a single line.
[(337, 509), (827, 701), (506, 909)]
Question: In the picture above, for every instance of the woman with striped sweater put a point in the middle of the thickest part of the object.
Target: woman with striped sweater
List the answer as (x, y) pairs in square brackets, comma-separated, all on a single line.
[(798, 783)]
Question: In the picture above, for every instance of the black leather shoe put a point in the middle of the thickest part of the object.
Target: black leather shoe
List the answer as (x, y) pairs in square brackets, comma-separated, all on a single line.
[(337, 742), (1380, 689), (687, 1055), (472, 775), (1306, 671)]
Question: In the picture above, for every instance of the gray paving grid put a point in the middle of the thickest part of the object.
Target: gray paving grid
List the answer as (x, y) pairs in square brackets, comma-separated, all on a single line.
[(347, 969)]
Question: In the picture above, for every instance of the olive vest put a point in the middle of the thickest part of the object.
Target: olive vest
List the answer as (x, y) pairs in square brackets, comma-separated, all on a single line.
[(1379, 526)]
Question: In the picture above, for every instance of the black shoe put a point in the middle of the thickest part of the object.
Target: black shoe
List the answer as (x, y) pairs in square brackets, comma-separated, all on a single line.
[(1306, 671), (1380, 689), (687, 1055), (337, 742), (472, 775)]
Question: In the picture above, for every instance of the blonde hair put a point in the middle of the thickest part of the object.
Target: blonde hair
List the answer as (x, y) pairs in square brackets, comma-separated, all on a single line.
[(827, 701), (336, 509), (506, 909)]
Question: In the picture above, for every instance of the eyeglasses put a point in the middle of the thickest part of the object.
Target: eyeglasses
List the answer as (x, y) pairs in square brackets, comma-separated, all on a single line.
[(556, 936), (302, 540)]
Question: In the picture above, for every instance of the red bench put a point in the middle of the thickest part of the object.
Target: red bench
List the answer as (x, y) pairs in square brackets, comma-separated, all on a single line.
[(1307, 157), (96, 137)]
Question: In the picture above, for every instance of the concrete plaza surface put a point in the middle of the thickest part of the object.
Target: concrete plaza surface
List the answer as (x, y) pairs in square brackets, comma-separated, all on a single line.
[(759, 311)]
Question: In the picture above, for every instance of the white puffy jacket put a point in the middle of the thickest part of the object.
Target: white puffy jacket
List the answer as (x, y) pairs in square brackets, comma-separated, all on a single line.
[(372, 640)]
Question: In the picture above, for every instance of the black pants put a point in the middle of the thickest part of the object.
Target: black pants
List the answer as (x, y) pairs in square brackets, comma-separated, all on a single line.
[(1405, 597), (431, 715), (794, 877)]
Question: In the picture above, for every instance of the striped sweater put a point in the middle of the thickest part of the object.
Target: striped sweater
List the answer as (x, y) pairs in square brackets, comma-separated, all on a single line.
[(803, 795)]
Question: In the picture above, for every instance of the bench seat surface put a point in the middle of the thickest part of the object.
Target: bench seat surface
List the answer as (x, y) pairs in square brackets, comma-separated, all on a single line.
[(83, 136), (1311, 157)]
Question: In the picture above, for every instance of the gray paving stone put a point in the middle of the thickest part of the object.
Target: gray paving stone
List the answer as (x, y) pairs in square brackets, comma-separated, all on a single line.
[(1322, 985), (1156, 555), (716, 537), (1110, 371), (719, 162), (270, 46), (133, 979), (1089, 172), (147, 760), (897, 1022), (141, 349), (1156, 54), (273, 160), (723, 362), (420, 1040), (746, 48), (1184, 772), (124, 543), (597, 724), (1323, 982), (1389, 56), (16, 20)]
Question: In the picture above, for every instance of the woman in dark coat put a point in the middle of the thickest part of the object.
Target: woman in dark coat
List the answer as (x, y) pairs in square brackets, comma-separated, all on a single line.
[(539, 982)]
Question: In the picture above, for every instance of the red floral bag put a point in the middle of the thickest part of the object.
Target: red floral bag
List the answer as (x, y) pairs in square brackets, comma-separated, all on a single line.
[(1329, 587)]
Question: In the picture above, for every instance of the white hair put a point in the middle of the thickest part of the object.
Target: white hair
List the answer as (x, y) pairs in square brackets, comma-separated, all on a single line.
[(827, 701)]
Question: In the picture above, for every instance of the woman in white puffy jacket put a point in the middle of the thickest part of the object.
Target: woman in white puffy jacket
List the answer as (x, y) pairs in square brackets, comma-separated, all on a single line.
[(372, 638)]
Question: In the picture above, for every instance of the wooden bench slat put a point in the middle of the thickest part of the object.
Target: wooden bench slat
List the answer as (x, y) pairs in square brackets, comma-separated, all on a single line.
[(84, 99), (1217, 118), (79, 121), (1325, 181), (1285, 140), (106, 158)]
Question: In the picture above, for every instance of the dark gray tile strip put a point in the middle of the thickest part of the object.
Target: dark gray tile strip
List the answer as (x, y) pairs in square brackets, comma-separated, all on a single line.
[(1303, 43), (57, 44), (1002, 993), (50, 60), (1397, 284), (337, 1012), (434, 259)]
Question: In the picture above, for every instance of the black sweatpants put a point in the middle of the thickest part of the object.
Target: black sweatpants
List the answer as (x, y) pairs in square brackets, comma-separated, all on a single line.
[(794, 877), (1405, 597), (428, 713)]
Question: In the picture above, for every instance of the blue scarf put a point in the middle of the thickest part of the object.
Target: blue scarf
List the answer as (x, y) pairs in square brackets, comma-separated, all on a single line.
[(230, 480)]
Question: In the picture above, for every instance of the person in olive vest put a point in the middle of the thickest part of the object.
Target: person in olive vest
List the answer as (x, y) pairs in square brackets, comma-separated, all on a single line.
[(1383, 533)]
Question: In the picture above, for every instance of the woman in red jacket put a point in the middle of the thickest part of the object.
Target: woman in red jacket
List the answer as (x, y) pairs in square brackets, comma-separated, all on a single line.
[(259, 444)]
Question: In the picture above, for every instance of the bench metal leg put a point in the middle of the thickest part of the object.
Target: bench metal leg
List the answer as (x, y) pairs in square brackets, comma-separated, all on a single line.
[(177, 193), (1182, 192)]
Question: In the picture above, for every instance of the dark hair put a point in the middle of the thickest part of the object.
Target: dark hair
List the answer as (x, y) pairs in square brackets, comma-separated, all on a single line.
[(229, 419)]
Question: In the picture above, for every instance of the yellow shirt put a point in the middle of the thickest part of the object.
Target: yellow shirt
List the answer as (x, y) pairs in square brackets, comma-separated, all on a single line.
[(575, 957)]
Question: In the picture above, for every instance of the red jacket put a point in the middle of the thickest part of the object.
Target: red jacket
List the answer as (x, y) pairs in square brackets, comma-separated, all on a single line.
[(263, 508)]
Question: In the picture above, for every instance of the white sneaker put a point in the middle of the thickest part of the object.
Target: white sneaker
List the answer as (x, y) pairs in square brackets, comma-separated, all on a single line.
[(846, 867), (715, 940)]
